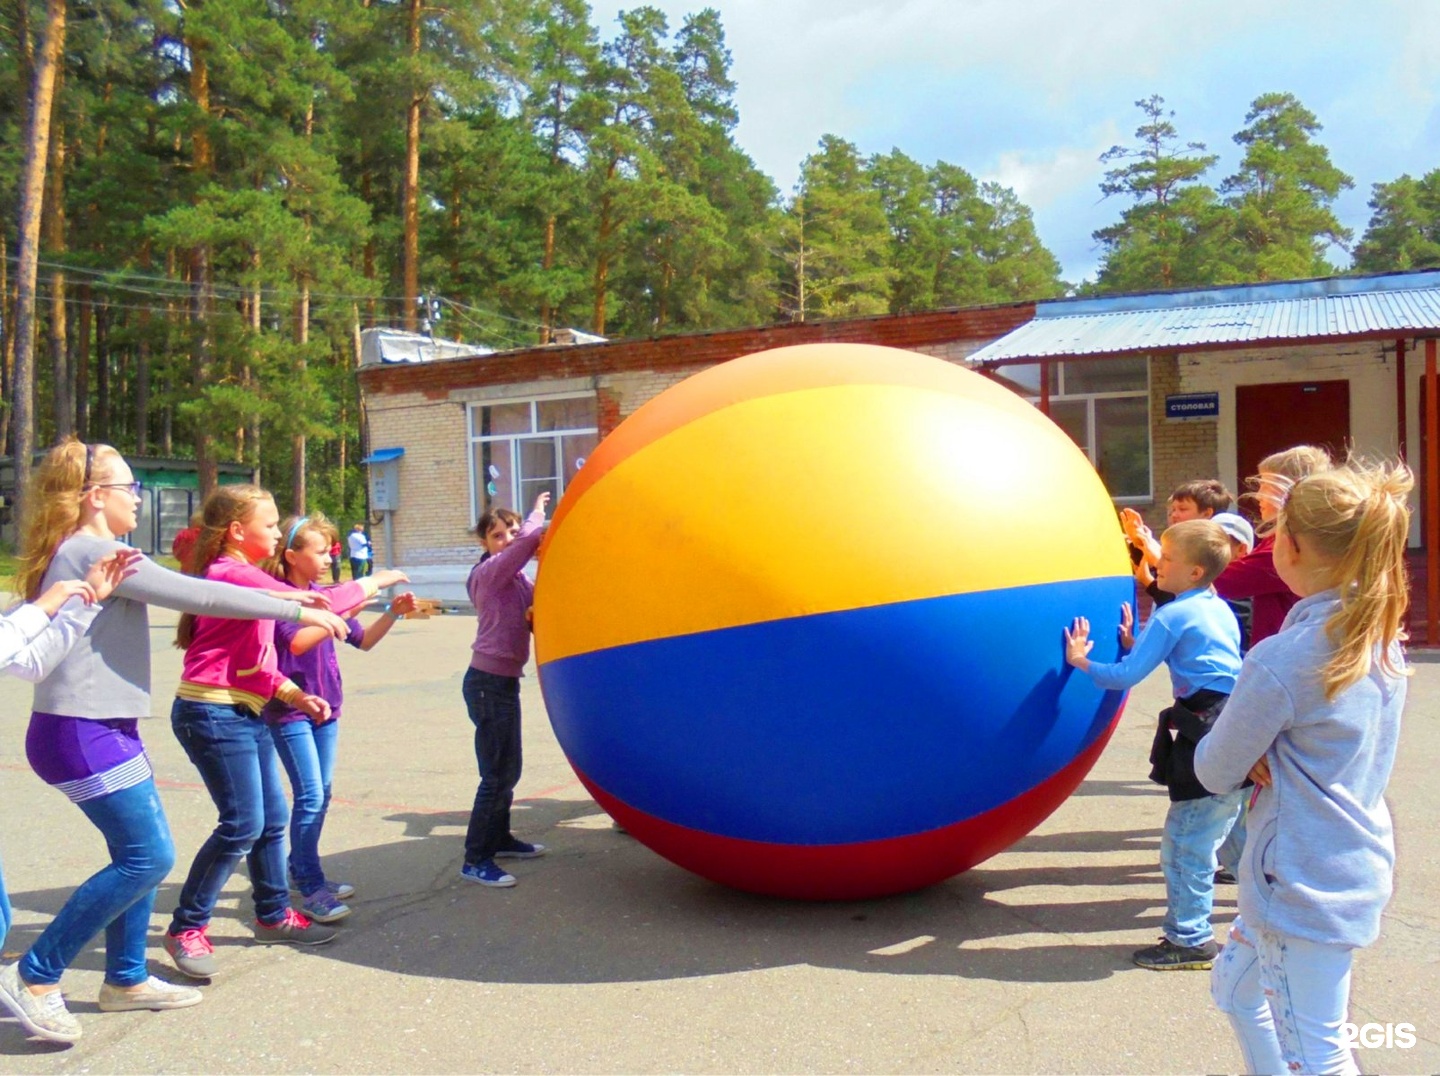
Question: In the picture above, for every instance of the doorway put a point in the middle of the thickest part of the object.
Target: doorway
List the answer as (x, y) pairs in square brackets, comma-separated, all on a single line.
[(1269, 418)]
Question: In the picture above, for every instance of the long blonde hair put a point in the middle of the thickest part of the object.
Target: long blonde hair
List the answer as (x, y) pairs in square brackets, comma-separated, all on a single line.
[(293, 529), (52, 506), (1284, 469), (1358, 517), (224, 506)]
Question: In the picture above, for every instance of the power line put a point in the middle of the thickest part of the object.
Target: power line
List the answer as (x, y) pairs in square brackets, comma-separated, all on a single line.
[(170, 288)]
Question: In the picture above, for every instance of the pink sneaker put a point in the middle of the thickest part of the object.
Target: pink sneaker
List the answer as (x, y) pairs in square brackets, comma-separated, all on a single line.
[(293, 929), (192, 953)]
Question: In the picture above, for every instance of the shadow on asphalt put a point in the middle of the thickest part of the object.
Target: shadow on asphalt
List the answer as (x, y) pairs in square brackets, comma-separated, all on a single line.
[(602, 908)]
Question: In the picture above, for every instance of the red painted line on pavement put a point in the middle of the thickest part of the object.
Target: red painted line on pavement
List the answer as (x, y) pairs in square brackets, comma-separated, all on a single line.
[(191, 786)]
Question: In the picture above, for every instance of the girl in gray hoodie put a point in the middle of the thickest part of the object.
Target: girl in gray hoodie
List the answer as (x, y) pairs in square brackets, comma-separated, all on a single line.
[(1314, 719)]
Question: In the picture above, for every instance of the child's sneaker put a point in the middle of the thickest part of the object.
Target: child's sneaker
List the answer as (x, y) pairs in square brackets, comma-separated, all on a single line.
[(518, 849), (156, 995), (41, 1015), (342, 890), (323, 906), (293, 929), (192, 954), (487, 873), (1167, 956)]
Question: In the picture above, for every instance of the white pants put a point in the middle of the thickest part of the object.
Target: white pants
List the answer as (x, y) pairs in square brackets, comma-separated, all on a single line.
[(1286, 998)]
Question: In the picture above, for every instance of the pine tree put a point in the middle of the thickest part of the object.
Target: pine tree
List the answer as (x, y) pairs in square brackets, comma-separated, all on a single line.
[(1404, 228), (1282, 195), (1167, 237)]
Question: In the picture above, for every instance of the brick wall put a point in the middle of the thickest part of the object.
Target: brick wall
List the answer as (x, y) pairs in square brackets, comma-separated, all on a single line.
[(432, 523), (1180, 449)]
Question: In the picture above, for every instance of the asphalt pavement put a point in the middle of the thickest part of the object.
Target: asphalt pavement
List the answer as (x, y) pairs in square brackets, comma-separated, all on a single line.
[(605, 958)]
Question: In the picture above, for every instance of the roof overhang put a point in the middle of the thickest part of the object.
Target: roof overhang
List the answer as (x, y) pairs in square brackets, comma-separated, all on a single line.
[(1329, 310)]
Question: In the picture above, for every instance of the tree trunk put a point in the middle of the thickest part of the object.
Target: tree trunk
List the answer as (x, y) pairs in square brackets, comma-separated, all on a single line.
[(32, 188), (7, 355), (82, 367), (142, 368), (299, 494), (546, 311), (411, 198), (602, 256), (53, 227), (102, 425), (201, 299)]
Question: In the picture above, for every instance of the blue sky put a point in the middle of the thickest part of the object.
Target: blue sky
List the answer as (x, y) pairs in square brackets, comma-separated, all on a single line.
[(1031, 92)]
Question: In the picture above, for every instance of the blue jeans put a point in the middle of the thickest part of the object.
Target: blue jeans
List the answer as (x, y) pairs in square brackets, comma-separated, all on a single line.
[(118, 899), (1286, 999), (1234, 846), (307, 751), (6, 915), (494, 706), (1194, 830), (235, 754)]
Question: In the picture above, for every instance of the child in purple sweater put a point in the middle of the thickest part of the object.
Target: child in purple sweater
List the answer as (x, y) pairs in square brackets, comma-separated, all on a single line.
[(306, 745), (502, 594)]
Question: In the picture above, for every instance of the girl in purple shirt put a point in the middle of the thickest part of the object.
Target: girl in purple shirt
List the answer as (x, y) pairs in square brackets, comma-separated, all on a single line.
[(307, 746), (502, 594)]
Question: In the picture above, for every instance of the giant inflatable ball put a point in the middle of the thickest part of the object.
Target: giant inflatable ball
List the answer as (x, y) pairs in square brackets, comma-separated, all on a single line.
[(798, 621)]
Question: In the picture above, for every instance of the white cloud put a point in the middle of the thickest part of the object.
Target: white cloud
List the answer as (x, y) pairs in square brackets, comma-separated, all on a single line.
[(1041, 177)]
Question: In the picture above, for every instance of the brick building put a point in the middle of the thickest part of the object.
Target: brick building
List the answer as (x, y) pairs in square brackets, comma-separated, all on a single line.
[(1156, 388)]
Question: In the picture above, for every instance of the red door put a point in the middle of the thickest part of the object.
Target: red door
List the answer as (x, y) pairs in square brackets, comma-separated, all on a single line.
[(1269, 418)]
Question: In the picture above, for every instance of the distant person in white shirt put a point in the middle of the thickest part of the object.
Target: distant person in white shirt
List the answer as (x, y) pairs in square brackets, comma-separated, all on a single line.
[(359, 551)]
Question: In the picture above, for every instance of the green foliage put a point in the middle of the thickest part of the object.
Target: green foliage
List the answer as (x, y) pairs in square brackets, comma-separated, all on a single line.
[(1271, 220), (233, 184), (1404, 229), (1167, 238)]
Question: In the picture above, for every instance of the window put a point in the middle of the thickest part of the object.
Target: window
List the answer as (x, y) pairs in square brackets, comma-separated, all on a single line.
[(522, 448), (1104, 405)]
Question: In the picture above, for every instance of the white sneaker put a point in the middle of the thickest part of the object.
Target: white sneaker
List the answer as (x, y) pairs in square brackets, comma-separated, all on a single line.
[(157, 994), (42, 1015)]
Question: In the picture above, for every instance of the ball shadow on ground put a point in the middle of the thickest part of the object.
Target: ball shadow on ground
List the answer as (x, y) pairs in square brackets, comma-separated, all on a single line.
[(600, 907)]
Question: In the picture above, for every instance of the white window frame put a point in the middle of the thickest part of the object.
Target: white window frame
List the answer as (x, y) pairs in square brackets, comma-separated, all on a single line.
[(471, 441), (1089, 398)]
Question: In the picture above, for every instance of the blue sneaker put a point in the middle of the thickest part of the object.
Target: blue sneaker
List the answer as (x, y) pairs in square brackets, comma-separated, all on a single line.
[(518, 849), (486, 873), (323, 906), (342, 890)]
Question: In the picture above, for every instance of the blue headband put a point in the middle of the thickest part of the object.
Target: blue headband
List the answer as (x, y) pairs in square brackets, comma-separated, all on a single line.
[(295, 529)]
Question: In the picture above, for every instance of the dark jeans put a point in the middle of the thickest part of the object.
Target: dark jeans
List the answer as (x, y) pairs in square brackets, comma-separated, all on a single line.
[(335, 569), (118, 899), (235, 754), (494, 705), (359, 568)]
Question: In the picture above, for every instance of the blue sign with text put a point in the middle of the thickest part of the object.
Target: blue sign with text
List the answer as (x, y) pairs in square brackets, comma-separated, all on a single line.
[(1193, 405)]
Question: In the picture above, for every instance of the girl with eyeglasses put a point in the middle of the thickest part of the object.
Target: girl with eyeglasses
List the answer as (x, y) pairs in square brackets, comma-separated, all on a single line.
[(84, 735)]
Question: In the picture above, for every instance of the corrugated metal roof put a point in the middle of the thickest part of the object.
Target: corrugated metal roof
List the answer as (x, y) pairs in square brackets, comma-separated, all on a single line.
[(1189, 321)]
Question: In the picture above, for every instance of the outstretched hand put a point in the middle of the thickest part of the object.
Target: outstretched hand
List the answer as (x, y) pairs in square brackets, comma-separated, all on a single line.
[(311, 599), (1127, 626), (1078, 643), (110, 571), (542, 502), (1139, 535)]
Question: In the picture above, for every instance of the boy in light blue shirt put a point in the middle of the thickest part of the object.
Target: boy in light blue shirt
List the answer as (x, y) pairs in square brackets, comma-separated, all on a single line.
[(1198, 638)]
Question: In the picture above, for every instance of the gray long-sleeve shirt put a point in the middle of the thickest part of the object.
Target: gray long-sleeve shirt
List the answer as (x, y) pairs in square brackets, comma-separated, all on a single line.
[(107, 673), (1320, 852)]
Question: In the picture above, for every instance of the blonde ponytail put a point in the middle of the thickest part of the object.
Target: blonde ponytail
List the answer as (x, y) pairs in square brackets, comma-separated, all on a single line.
[(1358, 517)]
